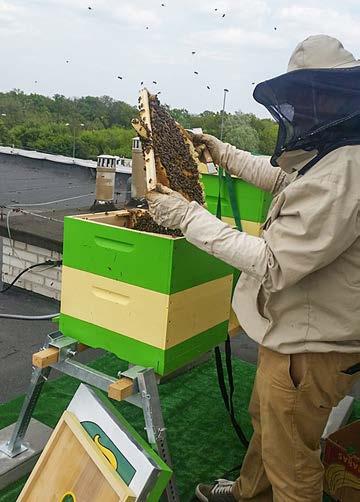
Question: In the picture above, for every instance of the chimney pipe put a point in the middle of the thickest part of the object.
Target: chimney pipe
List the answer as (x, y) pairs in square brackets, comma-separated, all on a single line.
[(138, 176), (105, 183)]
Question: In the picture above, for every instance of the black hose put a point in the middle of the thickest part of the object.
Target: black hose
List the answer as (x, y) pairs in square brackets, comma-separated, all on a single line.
[(53, 263)]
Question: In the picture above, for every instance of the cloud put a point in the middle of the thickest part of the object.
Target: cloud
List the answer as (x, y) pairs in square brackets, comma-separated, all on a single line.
[(9, 16), (241, 37), (232, 52), (128, 12), (314, 20), (125, 12), (240, 9)]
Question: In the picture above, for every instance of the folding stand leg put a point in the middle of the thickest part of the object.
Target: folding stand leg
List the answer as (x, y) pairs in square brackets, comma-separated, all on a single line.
[(155, 426), (14, 446)]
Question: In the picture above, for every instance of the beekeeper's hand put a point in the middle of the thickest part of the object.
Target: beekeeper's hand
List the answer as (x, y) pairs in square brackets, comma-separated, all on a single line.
[(167, 207), (215, 147), (254, 169), (222, 154)]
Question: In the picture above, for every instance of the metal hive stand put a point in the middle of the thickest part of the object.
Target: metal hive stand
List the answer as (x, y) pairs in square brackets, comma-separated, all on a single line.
[(137, 386)]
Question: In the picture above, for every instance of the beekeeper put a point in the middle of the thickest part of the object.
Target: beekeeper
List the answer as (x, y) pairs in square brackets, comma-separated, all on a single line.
[(298, 295)]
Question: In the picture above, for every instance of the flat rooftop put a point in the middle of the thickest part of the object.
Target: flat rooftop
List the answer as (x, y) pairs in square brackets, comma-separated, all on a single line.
[(39, 192), (20, 339)]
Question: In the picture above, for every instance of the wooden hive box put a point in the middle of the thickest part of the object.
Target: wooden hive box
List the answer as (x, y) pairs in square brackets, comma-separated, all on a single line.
[(151, 299), (253, 203)]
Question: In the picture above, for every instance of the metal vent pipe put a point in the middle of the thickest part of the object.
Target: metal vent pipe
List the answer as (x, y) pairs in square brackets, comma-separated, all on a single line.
[(138, 176)]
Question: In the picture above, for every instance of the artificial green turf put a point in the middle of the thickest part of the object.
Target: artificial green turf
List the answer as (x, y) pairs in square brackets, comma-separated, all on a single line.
[(202, 442)]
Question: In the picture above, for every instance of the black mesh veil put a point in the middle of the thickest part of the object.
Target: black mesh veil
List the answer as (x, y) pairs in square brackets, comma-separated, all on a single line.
[(316, 109)]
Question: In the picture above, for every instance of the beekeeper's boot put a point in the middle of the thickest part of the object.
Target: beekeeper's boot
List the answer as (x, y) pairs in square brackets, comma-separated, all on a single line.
[(221, 491)]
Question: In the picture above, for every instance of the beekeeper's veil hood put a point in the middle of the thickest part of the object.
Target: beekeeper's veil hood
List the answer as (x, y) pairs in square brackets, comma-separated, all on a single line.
[(317, 102)]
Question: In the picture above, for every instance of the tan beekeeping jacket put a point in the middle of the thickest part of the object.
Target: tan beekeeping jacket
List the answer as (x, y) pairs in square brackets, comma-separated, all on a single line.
[(309, 297), (300, 286)]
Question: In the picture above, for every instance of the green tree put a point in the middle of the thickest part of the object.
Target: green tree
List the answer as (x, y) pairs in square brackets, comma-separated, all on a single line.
[(6, 136), (182, 116), (243, 137), (38, 122), (268, 132), (238, 131)]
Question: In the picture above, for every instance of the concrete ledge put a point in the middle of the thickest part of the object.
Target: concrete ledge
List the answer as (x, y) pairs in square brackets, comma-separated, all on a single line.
[(38, 232), (12, 469)]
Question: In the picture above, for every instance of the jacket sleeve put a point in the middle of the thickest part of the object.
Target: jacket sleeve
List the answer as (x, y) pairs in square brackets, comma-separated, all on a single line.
[(316, 223), (242, 251), (254, 169)]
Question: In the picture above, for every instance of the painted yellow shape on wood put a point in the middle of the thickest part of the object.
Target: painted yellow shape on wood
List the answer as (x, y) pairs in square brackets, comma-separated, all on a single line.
[(154, 318), (71, 461)]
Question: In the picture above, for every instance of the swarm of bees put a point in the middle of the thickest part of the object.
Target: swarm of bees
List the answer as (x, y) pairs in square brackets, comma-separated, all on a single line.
[(176, 167), (141, 220), (176, 161)]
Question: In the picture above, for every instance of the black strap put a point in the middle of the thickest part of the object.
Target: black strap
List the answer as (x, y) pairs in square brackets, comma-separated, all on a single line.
[(233, 201), (229, 401), (218, 206), (228, 398)]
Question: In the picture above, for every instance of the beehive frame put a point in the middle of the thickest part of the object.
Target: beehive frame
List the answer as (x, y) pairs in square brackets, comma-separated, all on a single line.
[(149, 155), (144, 129)]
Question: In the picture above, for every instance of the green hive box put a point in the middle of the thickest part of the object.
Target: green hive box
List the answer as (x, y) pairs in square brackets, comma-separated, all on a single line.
[(153, 300), (253, 203)]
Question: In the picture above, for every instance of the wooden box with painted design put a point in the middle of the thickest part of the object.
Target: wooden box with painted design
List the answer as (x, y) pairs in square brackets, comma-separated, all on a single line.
[(153, 300), (342, 464)]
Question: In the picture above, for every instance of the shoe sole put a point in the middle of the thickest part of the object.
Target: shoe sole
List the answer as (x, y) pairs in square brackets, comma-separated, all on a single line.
[(200, 496)]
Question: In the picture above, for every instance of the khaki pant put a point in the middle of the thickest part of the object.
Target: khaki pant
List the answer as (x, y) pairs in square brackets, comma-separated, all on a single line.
[(292, 398)]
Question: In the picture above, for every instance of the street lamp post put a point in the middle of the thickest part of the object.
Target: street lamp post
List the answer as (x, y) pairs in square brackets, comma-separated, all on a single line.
[(74, 143), (74, 138), (223, 114)]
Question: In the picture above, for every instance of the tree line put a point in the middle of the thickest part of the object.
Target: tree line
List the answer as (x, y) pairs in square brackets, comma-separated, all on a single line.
[(98, 125)]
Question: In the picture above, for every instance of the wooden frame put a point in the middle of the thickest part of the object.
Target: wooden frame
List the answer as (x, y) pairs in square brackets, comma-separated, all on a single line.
[(149, 155), (144, 129), (71, 462)]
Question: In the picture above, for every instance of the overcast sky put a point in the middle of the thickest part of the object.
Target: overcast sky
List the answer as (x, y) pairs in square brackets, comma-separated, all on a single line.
[(37, 37)]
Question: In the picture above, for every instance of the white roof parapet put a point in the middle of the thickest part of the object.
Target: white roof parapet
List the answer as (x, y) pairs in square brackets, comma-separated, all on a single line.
[(62, 159)]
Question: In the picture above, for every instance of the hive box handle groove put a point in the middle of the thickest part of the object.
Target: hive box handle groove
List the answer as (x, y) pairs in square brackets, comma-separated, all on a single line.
[(125, 247), (111, 296)]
